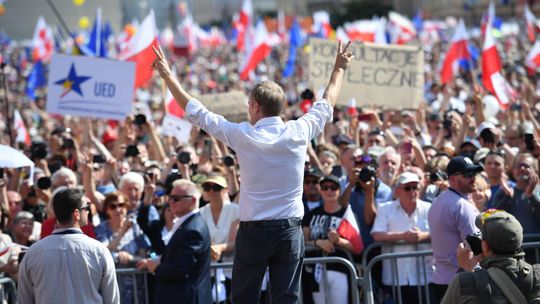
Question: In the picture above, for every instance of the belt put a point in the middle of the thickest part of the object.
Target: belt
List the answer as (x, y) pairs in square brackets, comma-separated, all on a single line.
[(284, 223)]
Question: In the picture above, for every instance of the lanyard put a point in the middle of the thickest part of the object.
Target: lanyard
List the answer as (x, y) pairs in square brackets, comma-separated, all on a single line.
[(68, 231)]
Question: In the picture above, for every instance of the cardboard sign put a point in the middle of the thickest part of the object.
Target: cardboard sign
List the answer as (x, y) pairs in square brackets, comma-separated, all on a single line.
[(90, 87), (384, 75), (177, 127), (231, 105)]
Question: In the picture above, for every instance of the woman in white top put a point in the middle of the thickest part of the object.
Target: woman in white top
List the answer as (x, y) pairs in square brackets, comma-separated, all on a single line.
[(221, 216)]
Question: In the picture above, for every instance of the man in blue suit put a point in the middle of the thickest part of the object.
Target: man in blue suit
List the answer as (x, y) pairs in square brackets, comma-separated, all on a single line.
[(183, 271)]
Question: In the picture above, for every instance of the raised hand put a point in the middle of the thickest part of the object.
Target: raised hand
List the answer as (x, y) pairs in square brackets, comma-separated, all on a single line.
[(343, 57), (160, 63)]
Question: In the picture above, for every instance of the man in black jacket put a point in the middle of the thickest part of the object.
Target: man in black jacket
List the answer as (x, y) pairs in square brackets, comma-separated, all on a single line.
[(183, 271)]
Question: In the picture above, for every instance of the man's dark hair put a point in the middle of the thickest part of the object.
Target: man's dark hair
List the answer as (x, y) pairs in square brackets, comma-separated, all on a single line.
[(65, 202), (270, 97)]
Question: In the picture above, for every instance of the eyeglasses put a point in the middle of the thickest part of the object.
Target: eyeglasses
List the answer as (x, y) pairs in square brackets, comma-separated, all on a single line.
[(87, 208), (329, 187), (469, 174), (177, 198), (311, 181), (214, 187), (113, 206), (409, 188)]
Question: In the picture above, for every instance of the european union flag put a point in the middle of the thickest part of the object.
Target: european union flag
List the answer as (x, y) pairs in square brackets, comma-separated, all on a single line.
[(35, 80), (295, 41)]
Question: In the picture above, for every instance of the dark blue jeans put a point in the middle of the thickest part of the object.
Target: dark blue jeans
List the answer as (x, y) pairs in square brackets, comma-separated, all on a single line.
[(280, 248)]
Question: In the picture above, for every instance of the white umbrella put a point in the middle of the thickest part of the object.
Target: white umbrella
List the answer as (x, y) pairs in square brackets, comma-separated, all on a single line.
[(11, 158)]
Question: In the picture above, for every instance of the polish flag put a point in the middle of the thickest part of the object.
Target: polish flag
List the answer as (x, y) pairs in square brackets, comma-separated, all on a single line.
[(530, 21), (42, 42), (258, 50), (362, 30), (139, 50), (487, 18), (348, 228), (22, 133), (351, 107), (492, 77), (533, 58), (321, 24), (172, 106), (403, 28), (245, 20), (457, 51)]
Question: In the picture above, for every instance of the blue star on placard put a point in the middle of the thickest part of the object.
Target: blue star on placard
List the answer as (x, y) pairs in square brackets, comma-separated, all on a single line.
[(72, 82)]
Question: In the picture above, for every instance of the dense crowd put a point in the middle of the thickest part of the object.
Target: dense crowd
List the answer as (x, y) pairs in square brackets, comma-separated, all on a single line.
[(370, 165)]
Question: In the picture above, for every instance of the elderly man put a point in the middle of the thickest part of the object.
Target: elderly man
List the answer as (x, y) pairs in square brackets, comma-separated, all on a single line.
[(505, 277), (404, 220), (451, 218), (389, 163), (132, 186), (183, 271)]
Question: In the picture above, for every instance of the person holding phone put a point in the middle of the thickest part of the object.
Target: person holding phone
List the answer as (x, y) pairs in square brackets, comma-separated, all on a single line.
[(271, 154)]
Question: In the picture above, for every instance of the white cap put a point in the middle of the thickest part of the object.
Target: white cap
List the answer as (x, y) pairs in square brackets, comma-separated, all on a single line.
[(483, 126), (407, 177)]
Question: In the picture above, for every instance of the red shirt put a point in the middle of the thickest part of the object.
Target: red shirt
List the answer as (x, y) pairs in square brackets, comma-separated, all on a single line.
[(49, 225)]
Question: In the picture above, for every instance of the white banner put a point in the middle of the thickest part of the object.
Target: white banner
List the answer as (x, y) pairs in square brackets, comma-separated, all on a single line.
[(177, 127), (90, 87)]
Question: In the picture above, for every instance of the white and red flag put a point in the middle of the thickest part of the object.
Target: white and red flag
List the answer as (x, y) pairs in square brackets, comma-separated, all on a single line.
[(22, 132), (42, 42), (457, 51), (348, 228), (533, 58), (139, 49), (403, 29), (257, 50), (492, 77), (530, 21), (488, 18), (243, 22)]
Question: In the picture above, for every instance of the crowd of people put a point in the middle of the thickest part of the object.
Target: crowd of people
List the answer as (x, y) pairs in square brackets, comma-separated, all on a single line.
[(418, 177)]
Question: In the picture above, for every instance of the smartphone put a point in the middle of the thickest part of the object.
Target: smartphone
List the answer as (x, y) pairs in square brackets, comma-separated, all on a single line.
[(475, 242), (337, 170), (1, 172), (529, 141), (207, 149), (407, 147), (364, 117)]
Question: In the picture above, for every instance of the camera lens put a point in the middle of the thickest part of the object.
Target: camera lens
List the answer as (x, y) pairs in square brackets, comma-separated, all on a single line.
[(184, 157), (228, 161)]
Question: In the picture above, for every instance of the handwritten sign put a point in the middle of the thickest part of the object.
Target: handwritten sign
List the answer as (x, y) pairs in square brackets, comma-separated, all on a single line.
[(383, 75)]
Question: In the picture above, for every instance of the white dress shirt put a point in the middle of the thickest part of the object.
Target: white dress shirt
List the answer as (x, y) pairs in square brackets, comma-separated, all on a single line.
[(271, 156), (392, 218), (177, 222)]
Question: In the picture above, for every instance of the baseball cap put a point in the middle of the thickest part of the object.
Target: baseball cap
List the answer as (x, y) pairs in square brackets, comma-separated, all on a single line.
[(501, 230), (216, 179), (407, 177), (330, 178), (481, 155), (315, 172), (461, 164), (483, 126)]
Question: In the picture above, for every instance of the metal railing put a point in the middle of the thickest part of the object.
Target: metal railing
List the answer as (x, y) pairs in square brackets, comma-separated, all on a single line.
[(8, 290), (134, 273)]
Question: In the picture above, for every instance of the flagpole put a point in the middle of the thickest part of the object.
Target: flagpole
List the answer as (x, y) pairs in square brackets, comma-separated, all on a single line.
[(6, 106), (62, 22)]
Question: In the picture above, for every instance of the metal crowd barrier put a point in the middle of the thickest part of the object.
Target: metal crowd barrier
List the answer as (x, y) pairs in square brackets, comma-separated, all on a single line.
[(353, 277), (8, 291)]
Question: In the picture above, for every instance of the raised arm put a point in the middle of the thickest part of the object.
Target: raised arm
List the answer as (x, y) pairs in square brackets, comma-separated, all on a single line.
[(160, 64), (343, 58)]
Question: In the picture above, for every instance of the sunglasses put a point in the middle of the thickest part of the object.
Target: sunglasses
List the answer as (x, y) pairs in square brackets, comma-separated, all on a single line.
[(469, 174), (213, 187), (410, 188), (177, 198), (87, 208), (311, 181), (114, 206), (329, 187)]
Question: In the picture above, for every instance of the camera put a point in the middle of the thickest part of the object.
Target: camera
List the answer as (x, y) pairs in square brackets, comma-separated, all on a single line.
[(140, 119), (367, 173), (44, 182), (132, 150), (437, 175), (228, 161), (475, 242), (38, 150), (68, 143), (184, 157), (447, 121), (529, 142)]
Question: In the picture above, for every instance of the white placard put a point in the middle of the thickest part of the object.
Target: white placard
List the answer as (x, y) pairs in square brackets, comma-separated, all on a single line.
[(177, 127)]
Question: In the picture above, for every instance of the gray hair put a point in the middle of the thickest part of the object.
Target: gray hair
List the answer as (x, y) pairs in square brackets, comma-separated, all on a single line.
[(131, 177), (62, 172), (389, 151), (23, 215), (191, 188)]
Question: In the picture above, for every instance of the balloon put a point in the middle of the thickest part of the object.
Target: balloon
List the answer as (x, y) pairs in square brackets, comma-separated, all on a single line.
[(78, 2), (84, 22), (2, 9)]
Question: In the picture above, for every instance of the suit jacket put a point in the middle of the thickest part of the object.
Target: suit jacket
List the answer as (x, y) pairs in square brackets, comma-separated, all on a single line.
[(183, 276)]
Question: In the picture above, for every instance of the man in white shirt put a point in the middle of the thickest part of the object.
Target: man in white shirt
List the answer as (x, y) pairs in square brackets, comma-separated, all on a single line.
[(405, 221), (68, 266), (271, 154)]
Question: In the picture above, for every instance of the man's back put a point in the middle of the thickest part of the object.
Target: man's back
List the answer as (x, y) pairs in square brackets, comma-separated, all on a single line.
[(68, 268)]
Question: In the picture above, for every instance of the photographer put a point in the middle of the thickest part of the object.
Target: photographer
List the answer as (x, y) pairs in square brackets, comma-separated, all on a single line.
[(505, 277)]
